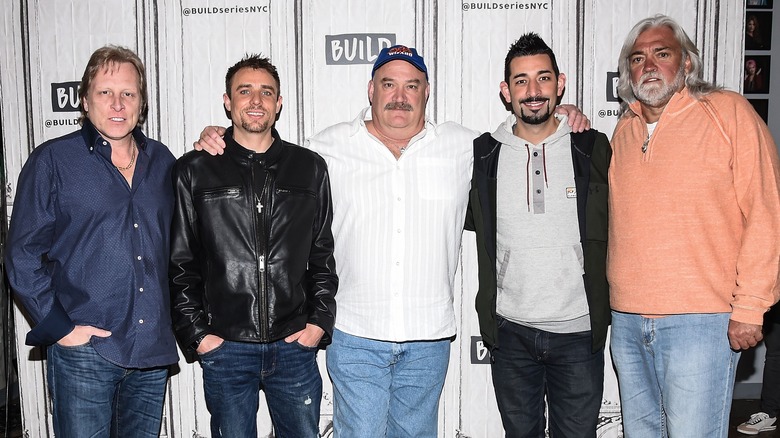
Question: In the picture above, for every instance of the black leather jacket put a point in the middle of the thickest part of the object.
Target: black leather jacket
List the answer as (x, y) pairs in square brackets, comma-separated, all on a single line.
[(251, 244)]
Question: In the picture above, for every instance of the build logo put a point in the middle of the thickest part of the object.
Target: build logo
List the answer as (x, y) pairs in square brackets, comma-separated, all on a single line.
[(356, 48), (479, 351), (612, 81), (65, 97)]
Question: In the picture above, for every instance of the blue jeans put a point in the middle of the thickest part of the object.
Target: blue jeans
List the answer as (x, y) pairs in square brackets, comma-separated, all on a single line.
[(235, 372), (386, 388), (530, 363), (675, 374), (92, 397)]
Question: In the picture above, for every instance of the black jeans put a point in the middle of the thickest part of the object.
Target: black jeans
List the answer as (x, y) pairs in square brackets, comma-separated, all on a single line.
[(530, 364), (770, 389)]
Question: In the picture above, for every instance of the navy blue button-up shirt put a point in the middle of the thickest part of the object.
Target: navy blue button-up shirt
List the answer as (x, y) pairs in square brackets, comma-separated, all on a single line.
[(86, 248)]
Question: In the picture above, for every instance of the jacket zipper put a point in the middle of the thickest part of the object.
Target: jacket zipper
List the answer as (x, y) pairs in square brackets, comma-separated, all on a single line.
[(260, 209)]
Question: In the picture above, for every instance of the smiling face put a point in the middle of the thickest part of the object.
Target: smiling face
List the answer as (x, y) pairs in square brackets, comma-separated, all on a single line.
[(113, 102), (254, 101), (657, 67), (533, 89), (398, 93)]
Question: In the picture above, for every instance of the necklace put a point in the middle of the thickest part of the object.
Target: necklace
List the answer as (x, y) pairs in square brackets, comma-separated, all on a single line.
[(404, 141), (132, 159), (644, 145)]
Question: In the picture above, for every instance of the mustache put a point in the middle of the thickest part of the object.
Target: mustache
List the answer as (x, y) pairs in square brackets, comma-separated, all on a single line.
[(535, 99), (650, 75), (403, 106)]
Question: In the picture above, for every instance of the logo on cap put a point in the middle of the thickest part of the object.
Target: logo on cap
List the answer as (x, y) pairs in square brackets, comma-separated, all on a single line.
[(403, 53)]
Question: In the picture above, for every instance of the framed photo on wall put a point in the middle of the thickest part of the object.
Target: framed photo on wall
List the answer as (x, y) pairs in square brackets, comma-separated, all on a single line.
[(761, 106), (759, 4), (756, 78), (758, 30)]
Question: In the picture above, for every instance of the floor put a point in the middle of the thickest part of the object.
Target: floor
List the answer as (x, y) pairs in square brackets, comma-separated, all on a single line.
[(11, 423)]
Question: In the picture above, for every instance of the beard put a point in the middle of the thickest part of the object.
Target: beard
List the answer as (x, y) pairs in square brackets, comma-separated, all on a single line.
[(255, 127), (657, 95), (538, 117)]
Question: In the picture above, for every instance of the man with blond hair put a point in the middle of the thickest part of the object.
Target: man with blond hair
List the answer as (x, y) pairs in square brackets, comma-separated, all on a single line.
[(87, 258)]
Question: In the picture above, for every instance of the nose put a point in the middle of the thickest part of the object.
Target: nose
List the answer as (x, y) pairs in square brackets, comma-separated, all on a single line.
[(399, 95), (116, 103), (649, 64), (533, 89)]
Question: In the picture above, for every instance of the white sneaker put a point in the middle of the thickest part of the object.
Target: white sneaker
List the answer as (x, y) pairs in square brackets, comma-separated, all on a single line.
[(759, 422)]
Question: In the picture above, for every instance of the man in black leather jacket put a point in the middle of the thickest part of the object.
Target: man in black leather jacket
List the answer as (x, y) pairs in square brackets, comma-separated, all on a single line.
[(252, 271)]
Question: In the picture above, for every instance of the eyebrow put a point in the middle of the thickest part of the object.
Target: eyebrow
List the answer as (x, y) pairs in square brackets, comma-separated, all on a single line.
[(413, 81), (540, 72), (262, 86), (656, 50)]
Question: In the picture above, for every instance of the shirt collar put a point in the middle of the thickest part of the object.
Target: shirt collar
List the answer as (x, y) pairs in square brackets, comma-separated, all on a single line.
[(94, 140), (270, 156), (359, 124), (671, 106)]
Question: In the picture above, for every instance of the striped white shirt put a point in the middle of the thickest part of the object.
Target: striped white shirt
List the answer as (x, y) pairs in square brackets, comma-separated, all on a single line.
[(397, 226)]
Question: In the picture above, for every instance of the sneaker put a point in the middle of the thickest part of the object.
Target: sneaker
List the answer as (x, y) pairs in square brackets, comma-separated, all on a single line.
[(759, 422)]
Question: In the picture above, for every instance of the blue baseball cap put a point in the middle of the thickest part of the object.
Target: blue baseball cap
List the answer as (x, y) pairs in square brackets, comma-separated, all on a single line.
[(403, 53)]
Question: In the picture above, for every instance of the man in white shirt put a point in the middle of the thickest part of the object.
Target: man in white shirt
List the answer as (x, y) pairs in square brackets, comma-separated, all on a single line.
[(400, 188)]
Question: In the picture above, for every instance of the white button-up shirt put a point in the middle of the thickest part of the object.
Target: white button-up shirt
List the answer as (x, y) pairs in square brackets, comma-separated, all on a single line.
[(397, 226)]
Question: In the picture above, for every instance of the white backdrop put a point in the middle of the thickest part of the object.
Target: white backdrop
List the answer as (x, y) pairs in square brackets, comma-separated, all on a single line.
[(324, 50)]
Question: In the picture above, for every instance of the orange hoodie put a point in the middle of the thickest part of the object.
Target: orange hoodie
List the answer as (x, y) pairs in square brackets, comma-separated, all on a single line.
[(694, 222)]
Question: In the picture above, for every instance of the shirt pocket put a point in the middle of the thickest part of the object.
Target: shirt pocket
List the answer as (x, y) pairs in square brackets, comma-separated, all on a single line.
[(436, 178)]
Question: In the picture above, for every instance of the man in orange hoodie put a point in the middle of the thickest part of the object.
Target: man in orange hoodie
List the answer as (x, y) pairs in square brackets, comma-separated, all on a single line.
[(694, 236)]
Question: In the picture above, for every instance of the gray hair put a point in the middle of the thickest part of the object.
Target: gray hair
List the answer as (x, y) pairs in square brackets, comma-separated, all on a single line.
[(694, 80)]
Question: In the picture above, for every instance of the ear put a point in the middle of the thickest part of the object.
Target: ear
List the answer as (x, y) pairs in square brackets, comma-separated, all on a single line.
[(279, 104), (505, 92), (687, 65), (84, 104), (226, 102), (561, 83), (370, 91)]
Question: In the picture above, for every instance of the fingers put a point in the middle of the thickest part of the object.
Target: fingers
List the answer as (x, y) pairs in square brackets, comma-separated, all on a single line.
[(743, 336), (100, 332), (211, 140), (576, 119), (308, 337), (209, 343), (81, 334)]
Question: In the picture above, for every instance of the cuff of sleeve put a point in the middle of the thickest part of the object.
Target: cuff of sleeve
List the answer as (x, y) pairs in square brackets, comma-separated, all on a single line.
[(748, 315), (52, 328)]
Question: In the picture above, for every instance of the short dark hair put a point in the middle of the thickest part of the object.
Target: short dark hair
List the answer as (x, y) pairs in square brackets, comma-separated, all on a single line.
[(255, 62), (528, 45), (106, 57)]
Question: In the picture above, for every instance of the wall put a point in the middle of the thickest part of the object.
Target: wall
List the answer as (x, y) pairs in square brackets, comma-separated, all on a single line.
[(324, 50)]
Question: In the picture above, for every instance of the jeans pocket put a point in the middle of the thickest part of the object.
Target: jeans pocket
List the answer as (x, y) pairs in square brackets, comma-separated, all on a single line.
[(83, 346), (306, 347), (213, 351)]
